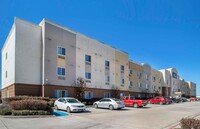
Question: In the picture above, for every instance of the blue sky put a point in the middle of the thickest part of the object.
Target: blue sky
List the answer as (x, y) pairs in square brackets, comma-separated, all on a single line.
[(163, 33)]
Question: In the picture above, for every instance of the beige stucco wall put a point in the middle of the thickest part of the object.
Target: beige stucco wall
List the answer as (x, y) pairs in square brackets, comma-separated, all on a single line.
[(57, 36), (157, 83), (147, 80), (184, 88), (121, 58), (192, 88), (135, 67)]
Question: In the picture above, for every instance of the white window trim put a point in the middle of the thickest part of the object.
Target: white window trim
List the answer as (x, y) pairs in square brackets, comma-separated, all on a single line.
[(61, 54), (61, 75)]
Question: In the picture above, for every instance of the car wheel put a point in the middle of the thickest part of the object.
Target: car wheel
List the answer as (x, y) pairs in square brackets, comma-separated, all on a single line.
[(111, 107), (56, 107), (68, 109), (161, 103), (119, 108), (95, 105), (135, 105)]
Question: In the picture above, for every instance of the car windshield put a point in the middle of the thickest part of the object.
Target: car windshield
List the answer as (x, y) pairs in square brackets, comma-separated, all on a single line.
[(132, 98), (72, 101), (116, 99)]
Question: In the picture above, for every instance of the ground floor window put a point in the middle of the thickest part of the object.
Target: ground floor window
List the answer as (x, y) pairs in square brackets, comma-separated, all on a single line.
[(107, 95), (88, 94), (60, 93), (139, 95)]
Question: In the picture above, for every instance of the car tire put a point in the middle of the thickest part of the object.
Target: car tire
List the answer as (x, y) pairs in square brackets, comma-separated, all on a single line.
[(56, 107), (119, 108), (95, 105), (111, 107), (68, 109), (161, 103), (135, 105)]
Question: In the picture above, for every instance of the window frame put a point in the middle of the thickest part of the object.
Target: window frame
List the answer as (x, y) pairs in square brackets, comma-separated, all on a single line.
[(61, 71), (62, 48)]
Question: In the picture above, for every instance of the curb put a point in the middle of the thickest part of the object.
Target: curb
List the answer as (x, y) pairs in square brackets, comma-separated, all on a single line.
[(175, 124)]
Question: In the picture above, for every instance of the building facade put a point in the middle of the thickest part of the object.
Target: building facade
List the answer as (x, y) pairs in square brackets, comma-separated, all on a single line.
[(47, 59)]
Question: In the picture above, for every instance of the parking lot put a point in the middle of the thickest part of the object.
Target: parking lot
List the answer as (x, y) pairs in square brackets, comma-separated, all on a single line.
[(153, 116)]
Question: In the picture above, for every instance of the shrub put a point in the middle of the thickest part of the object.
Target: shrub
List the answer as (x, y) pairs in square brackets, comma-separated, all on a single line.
[(5, 111), (190, 123), (4, 106), (29, 104), (8, 100), (29, 112)]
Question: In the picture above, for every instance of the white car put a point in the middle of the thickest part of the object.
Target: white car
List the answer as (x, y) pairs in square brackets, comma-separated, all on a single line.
[(110, 103), (69, 104)]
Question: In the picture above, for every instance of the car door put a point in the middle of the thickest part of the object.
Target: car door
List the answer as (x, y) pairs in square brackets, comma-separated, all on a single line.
[(60, 104), (101, 103), (107, 103), (126, 101)]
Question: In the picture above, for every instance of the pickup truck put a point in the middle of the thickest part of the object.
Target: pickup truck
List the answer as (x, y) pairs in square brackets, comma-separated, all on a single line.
[(131, 101)]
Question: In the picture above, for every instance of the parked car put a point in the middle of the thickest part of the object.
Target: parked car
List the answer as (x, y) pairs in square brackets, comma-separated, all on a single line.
[(131, 101), (193, 99), (169, 100), (158, 100), (177, 100), (110, 103), (185, 99), (69, 104)]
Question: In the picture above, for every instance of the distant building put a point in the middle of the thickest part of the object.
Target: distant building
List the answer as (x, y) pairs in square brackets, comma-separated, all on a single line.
[(47, 59)]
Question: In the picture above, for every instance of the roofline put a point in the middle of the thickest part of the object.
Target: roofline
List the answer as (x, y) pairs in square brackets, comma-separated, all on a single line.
[(75, 32)]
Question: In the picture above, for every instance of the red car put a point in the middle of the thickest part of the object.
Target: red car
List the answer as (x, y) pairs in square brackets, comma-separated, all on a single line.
[(193, 99), (131, 101), (160, 100)]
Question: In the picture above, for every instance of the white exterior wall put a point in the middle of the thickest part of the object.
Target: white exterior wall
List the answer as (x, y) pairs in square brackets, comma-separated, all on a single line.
[(9, 64), (28, 53), (175, 82), (166, 78), (99, 53)]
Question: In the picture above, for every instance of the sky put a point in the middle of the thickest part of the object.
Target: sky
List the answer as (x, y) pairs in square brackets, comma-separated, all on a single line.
[(162, 33)]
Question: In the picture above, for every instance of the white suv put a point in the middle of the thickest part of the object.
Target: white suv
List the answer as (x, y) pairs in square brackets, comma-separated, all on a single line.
[(69, 104)]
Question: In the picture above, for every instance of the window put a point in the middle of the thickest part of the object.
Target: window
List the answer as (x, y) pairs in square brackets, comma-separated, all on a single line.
[(122, 81), (107, 64), (139, 74), (153, 78), (87, 75), (122, 68), (130, 72), (107, 78), (88, 95), (6, 55), (61, 71), (139, 85), (88, 58), (130, 83), (139, 95), (107, 95), (147, 77), (61, 51), (60, 93), (147, 86)]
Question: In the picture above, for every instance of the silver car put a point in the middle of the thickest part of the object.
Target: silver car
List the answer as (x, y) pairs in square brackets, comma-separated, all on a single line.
[(110, 103)]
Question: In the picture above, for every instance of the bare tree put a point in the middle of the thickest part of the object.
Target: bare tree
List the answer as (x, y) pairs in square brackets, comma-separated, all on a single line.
[(115, 92), (80, 88)]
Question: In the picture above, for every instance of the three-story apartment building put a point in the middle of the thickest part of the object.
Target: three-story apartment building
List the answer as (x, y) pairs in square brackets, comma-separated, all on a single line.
[(47, 59)]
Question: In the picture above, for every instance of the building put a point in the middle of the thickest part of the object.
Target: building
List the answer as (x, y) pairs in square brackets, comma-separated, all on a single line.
[(47, 59), (192, 89)]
